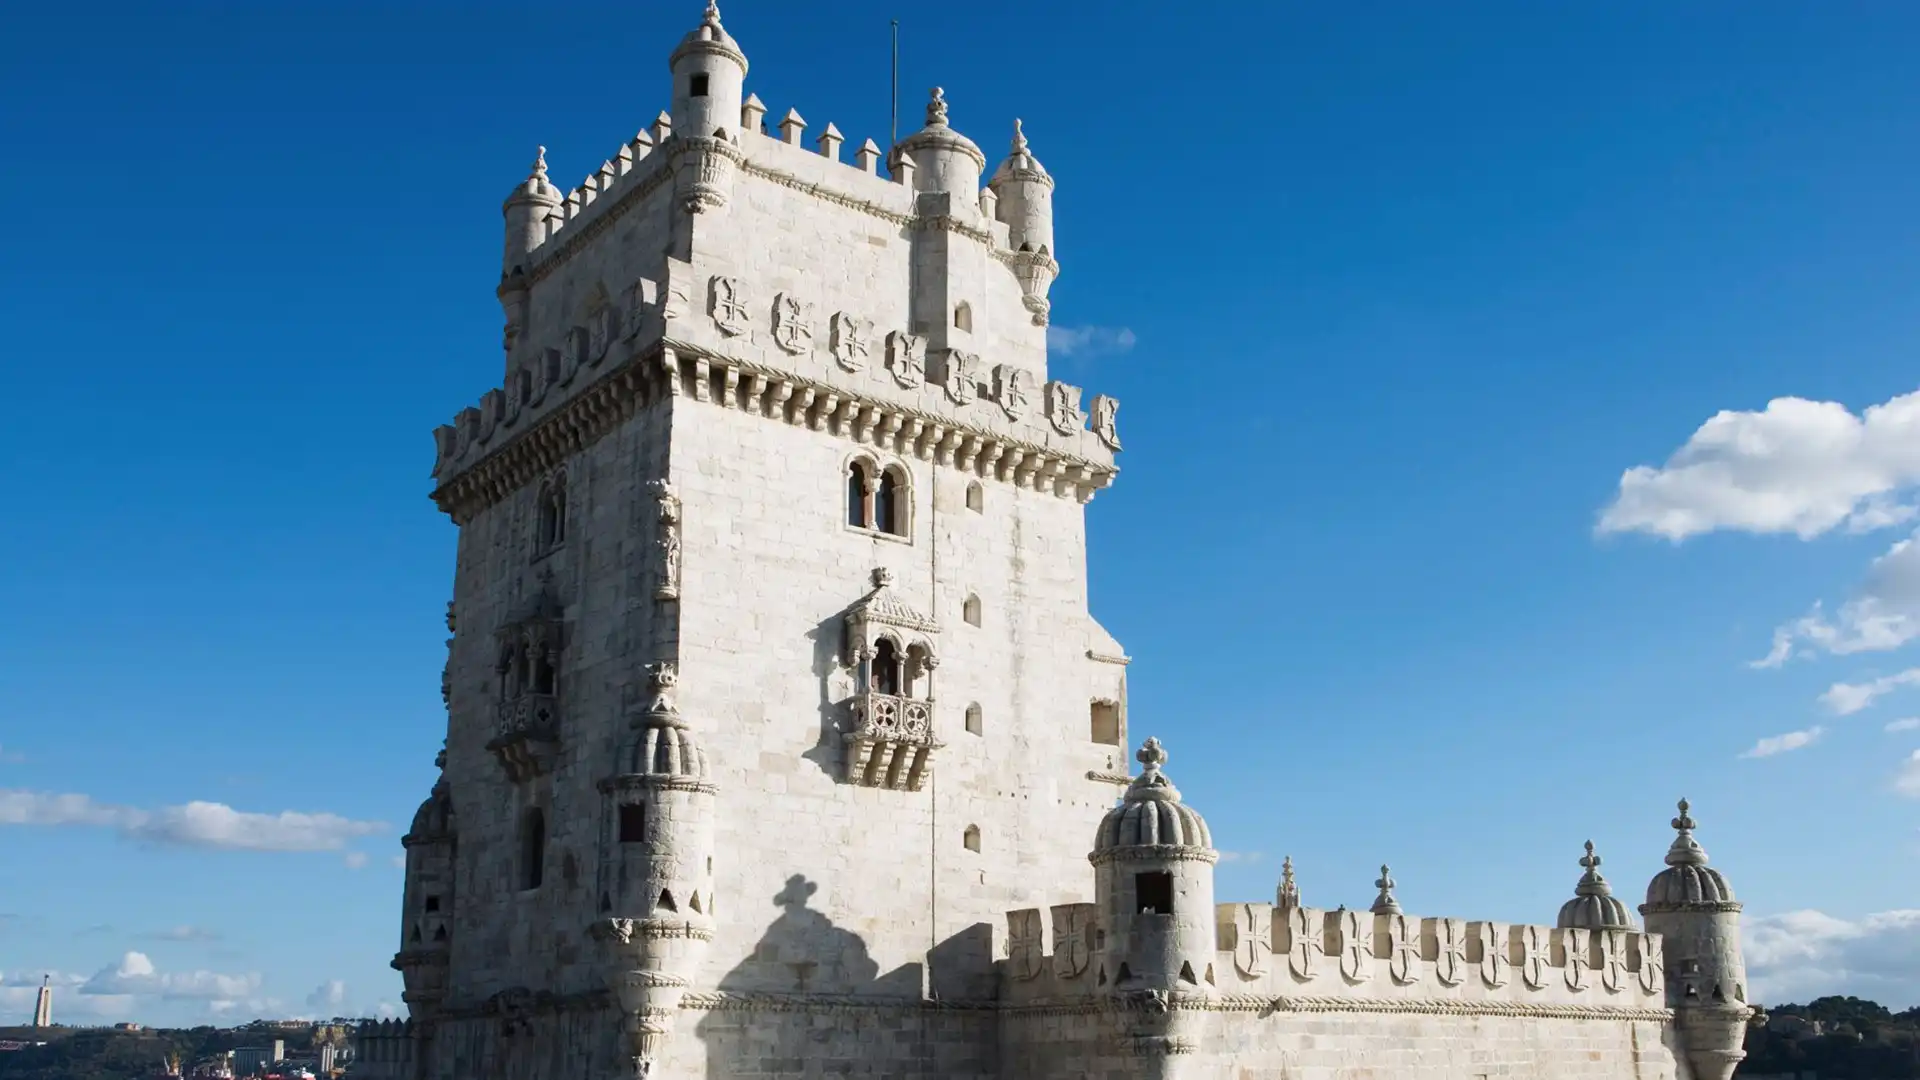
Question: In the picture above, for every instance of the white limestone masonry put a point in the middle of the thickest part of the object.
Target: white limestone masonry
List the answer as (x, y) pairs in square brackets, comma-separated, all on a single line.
[(781, 740)]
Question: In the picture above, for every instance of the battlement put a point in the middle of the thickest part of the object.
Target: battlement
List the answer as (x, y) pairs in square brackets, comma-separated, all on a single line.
[(1393, 962)]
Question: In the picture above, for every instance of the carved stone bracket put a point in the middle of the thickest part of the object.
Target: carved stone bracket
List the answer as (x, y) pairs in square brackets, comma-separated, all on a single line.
[(892, 742)]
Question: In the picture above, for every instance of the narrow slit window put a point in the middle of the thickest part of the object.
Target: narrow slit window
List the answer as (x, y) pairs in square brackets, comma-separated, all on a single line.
[(889, 516), (886, 668), (633, 823), (976, 497), (975, 725), (857, 495), (533, 847), (970, 611)]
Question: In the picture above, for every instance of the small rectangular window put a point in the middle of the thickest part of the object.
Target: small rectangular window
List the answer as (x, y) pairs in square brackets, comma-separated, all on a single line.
[(1106, 723), (1154, 893), (433, 903), (633, 823), (698, 87)]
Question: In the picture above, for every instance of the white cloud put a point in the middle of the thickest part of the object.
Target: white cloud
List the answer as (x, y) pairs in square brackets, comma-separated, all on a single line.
[(1801, 955), (1845, 699), (186, 933), (1907, 781), (1797, 466), (136, 975), (20, 989), (330, 995), (1780, 744), (1088, 341), (1241, 856), (1911, 723), (355, 859), (195, 824), (1883, 614), (386, 1010)]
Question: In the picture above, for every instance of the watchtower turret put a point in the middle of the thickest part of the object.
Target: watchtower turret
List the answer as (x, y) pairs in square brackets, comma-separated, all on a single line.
[(1024, 201), (1692, 907), (526, 211), (709, 73), (943, 159), (428, 898), (1593, 907), (1153, 869)]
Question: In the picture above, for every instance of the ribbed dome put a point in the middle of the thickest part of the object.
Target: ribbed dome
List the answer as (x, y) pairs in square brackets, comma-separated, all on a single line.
[(1151, 813), (1594, 907), (938, 136), (709, 37), (1020, 163), (666, 750), (1687, 879), (434, 819), (535, 188)]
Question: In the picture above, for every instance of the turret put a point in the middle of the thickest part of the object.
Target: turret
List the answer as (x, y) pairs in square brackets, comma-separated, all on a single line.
[(1024, 201), (526, 211), (943, 159), (709, 73), (427, 900), (1153, 869), (1691, 907), (656, 880), (1593, 907)]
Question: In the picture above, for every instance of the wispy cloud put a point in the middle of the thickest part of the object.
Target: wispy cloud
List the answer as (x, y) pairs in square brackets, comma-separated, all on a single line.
[(1801, 955), (1907, 780), (195, 824), (185, 933), (1090, 341), (1883, 614), (1242, 856), (1780, 744), (1911, 723), (1845, 699), (355, 860), (331, 994)]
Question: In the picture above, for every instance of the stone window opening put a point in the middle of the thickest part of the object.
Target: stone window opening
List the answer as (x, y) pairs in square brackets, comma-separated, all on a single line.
[(1105, 717), (970, 611), (963, 316), (697, 86), (694, 903), (414, 938), (551, 528), (1153, 891), (666, 901), (889, 509), (971, 838), (919, 674), (546, 680), (440, 934), (884, 676), (976, 496), (533, 847), (512, 671), (1186, 974), (431, 904), (974, 724), (633, 823), (859, 484)]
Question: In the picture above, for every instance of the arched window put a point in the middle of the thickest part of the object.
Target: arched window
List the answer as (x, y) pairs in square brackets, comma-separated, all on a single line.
[(886, 668), (963, 316), (888, 515), (857, 494), (971, 838), (976, 497), (545, 679), (970, 611), (975, 725), (509, 683), (533, 847), (551, 528), (919, 673)]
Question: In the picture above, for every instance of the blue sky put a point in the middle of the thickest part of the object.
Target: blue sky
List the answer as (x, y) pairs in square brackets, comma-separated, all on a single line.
[(1394, 296)]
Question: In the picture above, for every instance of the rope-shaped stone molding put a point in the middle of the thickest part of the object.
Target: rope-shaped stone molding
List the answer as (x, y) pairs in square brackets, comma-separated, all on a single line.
[(1427, 1007), (748, 1001), (725, 1001)]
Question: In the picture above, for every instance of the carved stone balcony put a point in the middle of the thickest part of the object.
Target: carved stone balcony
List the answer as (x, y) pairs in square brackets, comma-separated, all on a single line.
[(892, 743), (526, 735)]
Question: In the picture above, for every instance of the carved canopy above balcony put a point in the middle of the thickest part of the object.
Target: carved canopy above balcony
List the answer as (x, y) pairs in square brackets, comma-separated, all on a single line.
[(892, 742), (883, 613), (527, 711)]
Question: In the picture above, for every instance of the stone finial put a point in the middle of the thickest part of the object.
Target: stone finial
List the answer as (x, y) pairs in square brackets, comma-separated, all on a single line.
[(1289, 895), (829, 142), (882, 577), (1686, 851), (1151, 754), (791, 127), (1019, 139), (751, 111), (867, 158), (713, 14), (540, 163), (937, 108), (1385, 904)]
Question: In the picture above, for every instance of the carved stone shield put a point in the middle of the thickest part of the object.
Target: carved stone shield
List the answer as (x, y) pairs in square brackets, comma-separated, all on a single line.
[(1613, 960), (1356, 945), (1403, 949), (1012, 388), (792, 324), (1494, 961), (963, 376), (1450, 962), (599, 335), (1063, 407), (1072, 939), (850, 337), (1104, 420), (907, 358), (1253, 938), (1576, 942), (1536, 949), (1306, 945), (1653, 964), (728, 306), (1026, 949)]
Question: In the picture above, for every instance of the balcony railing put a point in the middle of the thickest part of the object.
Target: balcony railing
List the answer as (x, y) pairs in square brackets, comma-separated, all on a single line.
[(526, 733), (892, 742)]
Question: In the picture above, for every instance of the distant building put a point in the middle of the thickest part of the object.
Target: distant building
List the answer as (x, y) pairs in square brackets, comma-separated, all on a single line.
[(253, 1060), (43, 1003)]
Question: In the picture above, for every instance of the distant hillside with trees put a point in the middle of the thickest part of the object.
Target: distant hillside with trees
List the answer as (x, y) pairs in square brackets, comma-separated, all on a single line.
[(1834, 1038)]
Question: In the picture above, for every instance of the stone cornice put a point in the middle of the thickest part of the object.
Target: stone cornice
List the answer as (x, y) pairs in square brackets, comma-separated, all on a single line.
[(655, 782), (1731, 907), (753, 168), (736, 1001), (1270, 1006), (1154, 853)]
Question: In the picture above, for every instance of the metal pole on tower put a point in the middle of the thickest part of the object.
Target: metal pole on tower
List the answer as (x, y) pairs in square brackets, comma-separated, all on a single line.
[(893, 127)]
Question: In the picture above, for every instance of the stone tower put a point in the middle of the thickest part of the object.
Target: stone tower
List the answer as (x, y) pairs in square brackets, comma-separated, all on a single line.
[(775, 445), (1691, 906), (43, 1003)]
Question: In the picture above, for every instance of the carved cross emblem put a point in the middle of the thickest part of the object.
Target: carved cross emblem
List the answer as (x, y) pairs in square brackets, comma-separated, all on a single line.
[(1253, 938), (1653, 964), (1072, 940), (1305, 945), (1012, 389), (963, 376), (1104, 409), (1356, 945), (907, 358), (1403, 949), (1063, 407), (636, 310), (1535, 956), (1494, 959), (1613, 960), (728, 306), (599, 334), (851, 335), (1576, 942), (1450, 963), (1025, 948), (792, 324)]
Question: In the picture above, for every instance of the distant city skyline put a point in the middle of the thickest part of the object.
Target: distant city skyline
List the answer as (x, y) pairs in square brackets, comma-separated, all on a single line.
[(1531, 447)]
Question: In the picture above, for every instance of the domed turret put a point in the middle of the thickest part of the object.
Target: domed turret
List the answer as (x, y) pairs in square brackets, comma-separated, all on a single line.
[(1692, 908), (427, 899), (1594, 907), (943, 159), (1025, 192), (1153, 861), (709, 73), (526, 212)]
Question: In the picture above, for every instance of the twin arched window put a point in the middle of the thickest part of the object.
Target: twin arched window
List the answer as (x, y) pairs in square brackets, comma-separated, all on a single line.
[(900, 673), (878, 498)]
